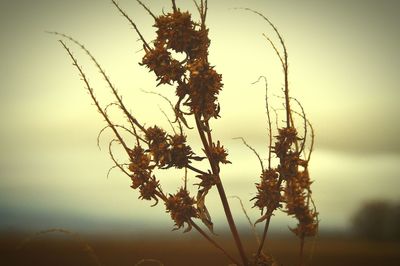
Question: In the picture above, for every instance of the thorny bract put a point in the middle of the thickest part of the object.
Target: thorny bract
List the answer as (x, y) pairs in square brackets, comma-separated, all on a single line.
[(197, 84)]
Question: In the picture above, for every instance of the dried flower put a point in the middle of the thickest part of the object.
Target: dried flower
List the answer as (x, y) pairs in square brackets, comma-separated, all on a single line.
[(207, 181), (148, 190), (139, 160), (180, 33), (268, 191), (198, 85), (219, 153), (203, 87), (180, 152), (181, 207), (166, 68), (158, 145)]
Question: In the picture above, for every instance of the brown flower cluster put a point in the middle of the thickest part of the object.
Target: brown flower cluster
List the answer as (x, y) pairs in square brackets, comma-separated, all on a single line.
[(164, 151), (141, 176), (219, 153), (268, 193), (181, 207), (166, 68), (285, 150), (198, 84), (168, 150), (178, 32), (294, 172), (207, 181)]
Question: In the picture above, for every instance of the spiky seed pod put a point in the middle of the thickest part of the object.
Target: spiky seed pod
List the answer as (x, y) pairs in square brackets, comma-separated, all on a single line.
[(166, 68), (308, 225), (140, 161), (203, 87), (148, 190), (139, 178), (285, 150), (182, 90), (181, 208), (285, 139), (219, 153), (180, 151), (307, 221), (156, 135), (199, 45), (158, 145), (288, 166), (295, 194), (180, 33), (268, 191), (207, 181)]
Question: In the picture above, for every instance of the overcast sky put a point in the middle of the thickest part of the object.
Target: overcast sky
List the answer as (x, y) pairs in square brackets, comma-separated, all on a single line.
[(343, 55), (344, 63)]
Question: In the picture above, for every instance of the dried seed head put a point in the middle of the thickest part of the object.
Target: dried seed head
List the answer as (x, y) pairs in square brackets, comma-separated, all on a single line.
[(180, 152), (179, 33), (166, 68), (289, 165), (219, 153), (148, 190), (268, 191), (296, 195), (286, 138), (158, 145), (139, 178), (140, 161), (308, 224), (181, 207), (207, 181), (203, 88)]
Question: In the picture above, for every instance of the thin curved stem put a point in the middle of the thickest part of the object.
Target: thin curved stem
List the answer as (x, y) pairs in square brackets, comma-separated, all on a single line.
[(90, 89), (132, 23)]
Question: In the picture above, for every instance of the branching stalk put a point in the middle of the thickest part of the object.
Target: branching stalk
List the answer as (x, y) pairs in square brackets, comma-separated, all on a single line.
[(221, 191)]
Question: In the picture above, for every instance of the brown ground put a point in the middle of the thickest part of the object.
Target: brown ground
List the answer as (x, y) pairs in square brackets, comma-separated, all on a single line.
[(186, 250)]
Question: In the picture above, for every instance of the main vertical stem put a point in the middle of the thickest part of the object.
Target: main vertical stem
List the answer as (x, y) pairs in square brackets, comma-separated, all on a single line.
[(221, 191), (231, 222), (264, 236), (212, 241), (287, 99)]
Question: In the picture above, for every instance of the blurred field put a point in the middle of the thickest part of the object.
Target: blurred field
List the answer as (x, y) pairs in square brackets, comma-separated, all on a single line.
[(56, 249)]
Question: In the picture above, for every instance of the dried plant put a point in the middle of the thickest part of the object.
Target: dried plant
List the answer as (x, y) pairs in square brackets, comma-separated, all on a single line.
[(197, 84)]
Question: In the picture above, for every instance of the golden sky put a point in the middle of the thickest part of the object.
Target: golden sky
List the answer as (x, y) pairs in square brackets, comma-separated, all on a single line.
[(344, 63)]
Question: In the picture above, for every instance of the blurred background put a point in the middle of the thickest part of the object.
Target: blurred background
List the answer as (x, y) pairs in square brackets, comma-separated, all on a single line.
[(343, 66)]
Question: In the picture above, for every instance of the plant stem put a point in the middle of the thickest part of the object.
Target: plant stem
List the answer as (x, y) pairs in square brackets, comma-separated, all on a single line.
[(212, 241), (301, 250), (287, 95), (194, 169), (221, 191), (231, 222), (264, 236)]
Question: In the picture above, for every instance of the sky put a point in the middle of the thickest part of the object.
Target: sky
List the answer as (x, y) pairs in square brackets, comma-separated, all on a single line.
[(344, 63)]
